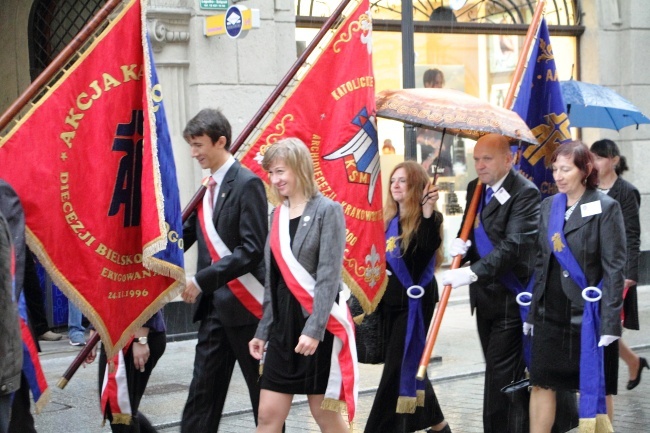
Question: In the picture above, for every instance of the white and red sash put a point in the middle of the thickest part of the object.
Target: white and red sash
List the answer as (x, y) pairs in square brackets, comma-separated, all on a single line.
[(342, 386), (246, 288), (115, 389)]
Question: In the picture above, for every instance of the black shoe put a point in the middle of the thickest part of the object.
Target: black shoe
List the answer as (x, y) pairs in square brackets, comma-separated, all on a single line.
[(447, 429), (633, 383)]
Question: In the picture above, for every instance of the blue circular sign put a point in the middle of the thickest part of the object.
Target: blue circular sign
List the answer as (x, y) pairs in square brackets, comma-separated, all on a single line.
[(234, 21)]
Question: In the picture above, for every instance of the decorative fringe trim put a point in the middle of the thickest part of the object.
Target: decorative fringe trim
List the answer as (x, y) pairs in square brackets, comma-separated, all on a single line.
[(365, 303), (600, 424), (334, 405), (121, 418), (87, 309), (44, 400), (419, 397), (406, 404), (603, 424)]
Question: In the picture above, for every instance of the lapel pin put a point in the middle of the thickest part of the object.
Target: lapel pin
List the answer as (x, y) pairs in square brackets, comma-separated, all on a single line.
[(307, 218), (223, 194)]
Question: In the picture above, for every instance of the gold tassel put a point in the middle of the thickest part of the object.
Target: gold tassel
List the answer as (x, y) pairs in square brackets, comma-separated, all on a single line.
[(406, 404), (121, 418), (419, 397), (44, 400), (603, 424), (333, 405)]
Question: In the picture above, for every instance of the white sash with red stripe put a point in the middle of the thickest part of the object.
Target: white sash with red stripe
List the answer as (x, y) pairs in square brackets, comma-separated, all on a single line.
[(342, 386), (246, 288), (115, 390)]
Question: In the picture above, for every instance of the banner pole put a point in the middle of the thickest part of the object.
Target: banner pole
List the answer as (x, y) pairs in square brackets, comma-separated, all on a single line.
[(434, 327), (61, 59)]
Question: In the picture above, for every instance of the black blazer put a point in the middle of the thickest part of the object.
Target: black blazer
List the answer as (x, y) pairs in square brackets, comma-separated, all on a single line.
[(512, 229), (629, 198), (240, 218), (598, 244)]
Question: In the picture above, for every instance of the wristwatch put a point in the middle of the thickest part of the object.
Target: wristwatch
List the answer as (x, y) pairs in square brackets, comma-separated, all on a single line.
[(141, 340)]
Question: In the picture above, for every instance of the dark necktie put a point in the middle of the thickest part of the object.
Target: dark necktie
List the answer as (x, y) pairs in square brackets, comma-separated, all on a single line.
[(488, 194)]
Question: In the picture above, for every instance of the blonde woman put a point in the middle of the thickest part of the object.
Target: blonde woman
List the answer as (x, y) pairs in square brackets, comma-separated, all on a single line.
[(303, 316)]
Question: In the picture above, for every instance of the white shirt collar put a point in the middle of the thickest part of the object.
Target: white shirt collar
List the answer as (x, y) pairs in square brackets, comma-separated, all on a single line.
[(498, 184), (221, 172)]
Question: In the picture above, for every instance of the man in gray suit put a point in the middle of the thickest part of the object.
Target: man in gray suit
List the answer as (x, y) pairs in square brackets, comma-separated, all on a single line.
[(238, 207), (509, 214)]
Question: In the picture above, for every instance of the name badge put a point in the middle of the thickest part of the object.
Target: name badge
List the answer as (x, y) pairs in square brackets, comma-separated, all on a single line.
[(502, 195), (589, 209)]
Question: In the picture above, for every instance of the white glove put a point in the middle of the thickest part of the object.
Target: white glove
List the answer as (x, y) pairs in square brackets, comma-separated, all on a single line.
[(459, 247), (528, 329), (458, 277), (606, 340)]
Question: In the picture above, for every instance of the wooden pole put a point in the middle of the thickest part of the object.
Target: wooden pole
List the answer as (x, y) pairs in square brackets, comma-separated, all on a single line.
[(59, 61), (434, 327)]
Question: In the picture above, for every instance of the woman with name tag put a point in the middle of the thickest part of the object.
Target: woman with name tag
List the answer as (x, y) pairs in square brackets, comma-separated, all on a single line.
[(413, 239), (578, 292), (611, 164), (307, 325)]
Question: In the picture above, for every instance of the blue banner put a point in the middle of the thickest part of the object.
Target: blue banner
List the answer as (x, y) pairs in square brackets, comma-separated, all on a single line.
[(540, 104)]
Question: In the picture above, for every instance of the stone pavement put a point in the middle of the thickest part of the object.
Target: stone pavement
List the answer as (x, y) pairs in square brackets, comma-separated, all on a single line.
[(457, 379)]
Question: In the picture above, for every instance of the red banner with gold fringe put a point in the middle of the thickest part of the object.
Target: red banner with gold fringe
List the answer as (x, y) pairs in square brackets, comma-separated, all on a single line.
[(92, 164), (331, 107)]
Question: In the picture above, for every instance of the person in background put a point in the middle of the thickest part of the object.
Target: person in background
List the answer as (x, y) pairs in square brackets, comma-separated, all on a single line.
[(413, 240), (433, 78), (388, 148), (140, 356), (304, 262), (611, 164), (76, 331), (581, 244)]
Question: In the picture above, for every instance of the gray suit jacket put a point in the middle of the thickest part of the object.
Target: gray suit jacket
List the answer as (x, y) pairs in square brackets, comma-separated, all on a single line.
[(318, 245), (598, 244)]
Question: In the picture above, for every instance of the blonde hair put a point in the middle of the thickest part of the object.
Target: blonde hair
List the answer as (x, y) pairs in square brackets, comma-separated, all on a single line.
[(294, 153), (410, 218)]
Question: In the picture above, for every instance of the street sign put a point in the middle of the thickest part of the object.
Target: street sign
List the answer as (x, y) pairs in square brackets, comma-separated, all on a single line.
[(235, 22), (214, 4)]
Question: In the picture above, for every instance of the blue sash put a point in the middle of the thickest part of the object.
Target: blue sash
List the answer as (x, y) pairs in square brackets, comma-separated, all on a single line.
[(509, 279), (411, 391), (592, 373)]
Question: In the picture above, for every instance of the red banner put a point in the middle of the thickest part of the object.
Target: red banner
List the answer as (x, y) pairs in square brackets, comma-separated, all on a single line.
[(91, 163), (332, 109)]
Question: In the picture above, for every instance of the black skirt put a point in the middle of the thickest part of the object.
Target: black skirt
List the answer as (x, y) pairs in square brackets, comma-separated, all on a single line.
[(555, 353)]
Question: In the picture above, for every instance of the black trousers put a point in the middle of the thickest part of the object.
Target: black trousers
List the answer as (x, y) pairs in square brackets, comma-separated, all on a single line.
[(22, 420), (217, 349), (500, 332), (34, 297), (137, 382)]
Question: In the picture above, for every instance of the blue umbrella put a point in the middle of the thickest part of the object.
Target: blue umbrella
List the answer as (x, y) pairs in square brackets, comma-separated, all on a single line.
[(591, 105)]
